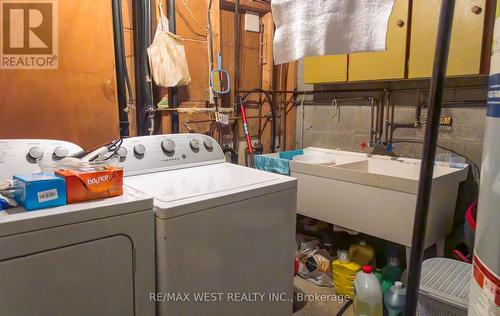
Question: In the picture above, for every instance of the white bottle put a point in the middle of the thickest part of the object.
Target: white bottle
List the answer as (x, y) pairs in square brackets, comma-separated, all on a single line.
[(368, 301)]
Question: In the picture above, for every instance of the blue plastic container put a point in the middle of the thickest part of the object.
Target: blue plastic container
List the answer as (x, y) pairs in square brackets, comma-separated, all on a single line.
[(36, 191)]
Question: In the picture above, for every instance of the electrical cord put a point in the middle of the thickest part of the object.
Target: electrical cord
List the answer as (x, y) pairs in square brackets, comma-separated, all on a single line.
[(476, 171), (114, 147), (194, 18), (344, 308)]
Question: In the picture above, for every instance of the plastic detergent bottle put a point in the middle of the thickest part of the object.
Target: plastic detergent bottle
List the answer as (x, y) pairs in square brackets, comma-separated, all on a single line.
[(344, 273), (394, 299), (368, 301), (362, 253), (392, 271)]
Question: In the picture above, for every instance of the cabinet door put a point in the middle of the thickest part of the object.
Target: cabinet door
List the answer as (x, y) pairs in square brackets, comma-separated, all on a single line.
[(325, 69), (466, 38), (389, 64)]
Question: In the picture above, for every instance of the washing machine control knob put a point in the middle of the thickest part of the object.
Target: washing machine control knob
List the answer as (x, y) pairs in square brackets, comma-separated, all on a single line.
[(139, 149), (35, 152), (122, 152), (208, 144), (195, 144), (168, 145), (61, 152)]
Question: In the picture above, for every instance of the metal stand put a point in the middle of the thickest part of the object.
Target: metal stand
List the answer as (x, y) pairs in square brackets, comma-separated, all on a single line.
[(429, 154)]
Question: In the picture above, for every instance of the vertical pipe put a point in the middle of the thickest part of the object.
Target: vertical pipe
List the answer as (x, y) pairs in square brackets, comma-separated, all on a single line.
[(429, 154), (302, 121), (372, 121), (142, 40), (380, 118), (386, 116), (173, 97), (120, 64)]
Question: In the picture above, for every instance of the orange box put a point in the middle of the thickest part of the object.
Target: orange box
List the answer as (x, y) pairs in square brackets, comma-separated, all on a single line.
[(84, 184)]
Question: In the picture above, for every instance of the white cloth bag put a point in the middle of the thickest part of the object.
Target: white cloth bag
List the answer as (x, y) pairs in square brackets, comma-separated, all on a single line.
[(167, 57)]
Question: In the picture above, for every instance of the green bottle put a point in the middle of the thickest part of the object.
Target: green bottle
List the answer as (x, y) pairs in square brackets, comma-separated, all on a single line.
[(392, 271)]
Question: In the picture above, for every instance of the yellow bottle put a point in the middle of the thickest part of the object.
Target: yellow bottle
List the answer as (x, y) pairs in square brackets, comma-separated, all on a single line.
[(362, 254), (344, 273)]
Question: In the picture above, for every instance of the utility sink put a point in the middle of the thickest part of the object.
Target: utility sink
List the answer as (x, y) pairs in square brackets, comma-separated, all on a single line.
[(376, 195)]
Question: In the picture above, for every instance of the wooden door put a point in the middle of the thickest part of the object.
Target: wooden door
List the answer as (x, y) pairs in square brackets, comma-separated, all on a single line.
[(76, 102)]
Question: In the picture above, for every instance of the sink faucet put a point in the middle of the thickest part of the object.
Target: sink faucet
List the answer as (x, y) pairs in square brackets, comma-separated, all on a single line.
[(379, 148)]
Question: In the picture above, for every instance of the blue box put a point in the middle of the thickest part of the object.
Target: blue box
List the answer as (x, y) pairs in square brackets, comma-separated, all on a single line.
[(36, 191)]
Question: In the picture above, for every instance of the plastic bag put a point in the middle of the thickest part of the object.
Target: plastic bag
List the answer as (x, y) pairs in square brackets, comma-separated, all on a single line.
[(314, 263), (167, 58)]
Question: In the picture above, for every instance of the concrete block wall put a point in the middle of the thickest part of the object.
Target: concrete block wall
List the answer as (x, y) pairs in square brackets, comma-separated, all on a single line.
[(348, 127)]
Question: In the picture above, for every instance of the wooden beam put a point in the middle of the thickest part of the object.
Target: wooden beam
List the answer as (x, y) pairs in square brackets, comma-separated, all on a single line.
[(267, 73), (253, 5)]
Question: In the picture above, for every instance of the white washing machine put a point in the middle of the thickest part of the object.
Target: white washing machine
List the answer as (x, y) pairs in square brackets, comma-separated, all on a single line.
[(94, 258), (225, 234)]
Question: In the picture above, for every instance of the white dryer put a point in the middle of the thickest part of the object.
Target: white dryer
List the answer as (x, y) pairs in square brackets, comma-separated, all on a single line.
[(93, 258), (222, 230)]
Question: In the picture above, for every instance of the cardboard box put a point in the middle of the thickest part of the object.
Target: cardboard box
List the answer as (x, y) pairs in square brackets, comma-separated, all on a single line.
[(37, 191), (92, 183)]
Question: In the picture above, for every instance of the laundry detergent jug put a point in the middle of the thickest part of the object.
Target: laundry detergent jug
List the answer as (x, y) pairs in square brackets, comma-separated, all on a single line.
[(362, 253), (368, 301), (344, 273), (392, 271), (394, 299)]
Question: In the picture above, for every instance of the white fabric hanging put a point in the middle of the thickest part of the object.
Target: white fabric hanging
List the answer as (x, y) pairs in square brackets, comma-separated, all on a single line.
[(328, 27)]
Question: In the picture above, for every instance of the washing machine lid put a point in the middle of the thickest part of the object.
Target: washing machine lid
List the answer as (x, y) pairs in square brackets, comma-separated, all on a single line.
[(181, 191), (18, 220)]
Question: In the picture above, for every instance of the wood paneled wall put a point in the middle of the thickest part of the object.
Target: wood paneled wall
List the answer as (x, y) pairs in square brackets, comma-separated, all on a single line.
[(76, 102)]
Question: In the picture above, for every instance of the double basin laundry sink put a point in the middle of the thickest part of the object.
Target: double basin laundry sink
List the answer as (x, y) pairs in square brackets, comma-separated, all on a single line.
[(376, 195)]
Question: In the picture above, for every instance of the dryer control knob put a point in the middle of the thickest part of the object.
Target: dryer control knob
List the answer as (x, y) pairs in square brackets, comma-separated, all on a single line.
[(35, 152), (61, 152), (122, 152), (168, 145), (139, 149), (208, 144), (195, 144)]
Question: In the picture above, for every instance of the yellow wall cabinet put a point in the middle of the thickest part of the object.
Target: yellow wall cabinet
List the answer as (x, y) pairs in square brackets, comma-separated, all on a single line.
[(465, 46), (325, 69), (466, 38), (389, 64)]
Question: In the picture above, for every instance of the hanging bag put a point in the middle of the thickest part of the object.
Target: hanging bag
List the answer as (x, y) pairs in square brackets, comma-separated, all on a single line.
[(167, 57)]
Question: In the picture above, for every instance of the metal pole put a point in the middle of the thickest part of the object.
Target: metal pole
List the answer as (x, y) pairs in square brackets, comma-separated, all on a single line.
[(120, 64), (429, 154), (142, 40), (173, 98)]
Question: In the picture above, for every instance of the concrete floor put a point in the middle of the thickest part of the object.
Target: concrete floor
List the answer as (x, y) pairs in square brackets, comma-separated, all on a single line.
[(318, 307)]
